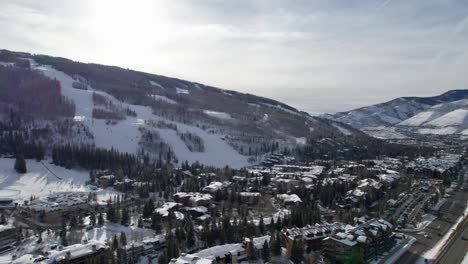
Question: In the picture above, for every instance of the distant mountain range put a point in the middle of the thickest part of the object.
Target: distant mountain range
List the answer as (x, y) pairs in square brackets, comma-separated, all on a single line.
[(445, 114)]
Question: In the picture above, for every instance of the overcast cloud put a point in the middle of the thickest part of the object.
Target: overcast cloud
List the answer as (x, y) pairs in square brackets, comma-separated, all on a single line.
[(318, 56)]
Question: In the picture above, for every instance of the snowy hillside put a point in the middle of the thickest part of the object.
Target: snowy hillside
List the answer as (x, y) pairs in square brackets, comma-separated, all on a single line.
[(434, 113), (41, 179), (162, 118), (441, 119), (125, 135), (396, 111)]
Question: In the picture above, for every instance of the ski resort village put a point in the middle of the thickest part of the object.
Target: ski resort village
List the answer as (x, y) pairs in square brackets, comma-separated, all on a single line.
[(100, 164)]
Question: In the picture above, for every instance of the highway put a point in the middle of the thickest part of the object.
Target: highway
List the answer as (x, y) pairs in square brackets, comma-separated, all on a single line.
[(457, 247)]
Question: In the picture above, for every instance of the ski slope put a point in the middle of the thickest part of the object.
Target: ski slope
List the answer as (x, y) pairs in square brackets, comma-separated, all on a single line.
[(124, 136), (454, 118)]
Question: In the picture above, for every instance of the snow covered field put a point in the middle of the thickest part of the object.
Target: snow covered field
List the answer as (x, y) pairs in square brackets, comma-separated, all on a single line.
[(124, 136), (38, 181), (383, 132)]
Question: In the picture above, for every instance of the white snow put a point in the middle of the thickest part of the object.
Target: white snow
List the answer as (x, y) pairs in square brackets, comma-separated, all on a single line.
[(108, 230), (418, 119), (383, 132), (343, 130), (156, 84), (301, 140), (38, 181), (465, 259), (438, 131), (182, 91), (124, 136), (219, 115), (451, 114), (163, 98), (219, 251), (454, 118)]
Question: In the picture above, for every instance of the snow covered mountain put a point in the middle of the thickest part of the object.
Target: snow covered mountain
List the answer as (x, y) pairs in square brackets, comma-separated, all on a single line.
[(395, 111), (441, 119), (67, 102)]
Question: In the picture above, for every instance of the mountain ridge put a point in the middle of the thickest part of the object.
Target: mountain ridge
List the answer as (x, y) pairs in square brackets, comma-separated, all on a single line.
[(163, 117), (394, 111)]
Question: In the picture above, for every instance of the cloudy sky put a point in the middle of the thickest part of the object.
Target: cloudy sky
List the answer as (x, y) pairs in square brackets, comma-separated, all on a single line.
[(318, 56)]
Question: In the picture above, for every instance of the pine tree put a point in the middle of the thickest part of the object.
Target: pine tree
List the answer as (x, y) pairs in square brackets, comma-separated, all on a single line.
[(123, 239), (261, 226), (110, 213), (3, 220), (148, 209), (156, 222), (63, 236), (163, 258), (190, 235), (73, 223), (20, 164), (115, 243), (297, 251), (40, 237), (100, 219), (92, 220), (277, 245), (266, 251), (251, 252), (39, 153), (125, 217), (172, 247)]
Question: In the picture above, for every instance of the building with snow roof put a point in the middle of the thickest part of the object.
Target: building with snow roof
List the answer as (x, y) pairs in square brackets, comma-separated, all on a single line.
[(288, 199), (52, 208), (363, 243), (311, 235)]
